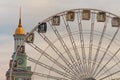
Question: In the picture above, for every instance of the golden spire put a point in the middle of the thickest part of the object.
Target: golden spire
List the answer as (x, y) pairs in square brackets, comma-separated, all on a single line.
[(20, 29), (20, 25)]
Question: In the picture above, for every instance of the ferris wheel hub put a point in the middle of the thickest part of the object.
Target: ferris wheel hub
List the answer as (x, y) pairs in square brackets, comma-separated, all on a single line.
[(91, 78)]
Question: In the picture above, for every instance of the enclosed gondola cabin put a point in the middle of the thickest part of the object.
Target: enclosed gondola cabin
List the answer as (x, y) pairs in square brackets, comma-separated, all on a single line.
[(86, 15), (70, 16), (30, 38), (13, 65), (101, 17), (42, 27), (21, 49), (56, 20), (115, 22)]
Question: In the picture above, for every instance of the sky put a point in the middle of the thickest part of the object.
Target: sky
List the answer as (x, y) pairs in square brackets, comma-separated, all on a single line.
[(34, 11)]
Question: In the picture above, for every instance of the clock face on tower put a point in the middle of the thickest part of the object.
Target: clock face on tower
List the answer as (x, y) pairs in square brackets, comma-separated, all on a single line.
[(20, 61)]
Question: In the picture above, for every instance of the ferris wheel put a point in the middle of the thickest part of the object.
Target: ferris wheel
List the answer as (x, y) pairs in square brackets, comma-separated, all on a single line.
[(77, 44)]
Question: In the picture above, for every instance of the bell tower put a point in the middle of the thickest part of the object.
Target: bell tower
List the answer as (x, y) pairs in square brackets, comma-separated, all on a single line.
[(20, 70)]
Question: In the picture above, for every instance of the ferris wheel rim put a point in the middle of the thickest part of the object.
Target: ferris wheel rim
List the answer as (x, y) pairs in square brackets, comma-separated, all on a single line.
[(46, 20)]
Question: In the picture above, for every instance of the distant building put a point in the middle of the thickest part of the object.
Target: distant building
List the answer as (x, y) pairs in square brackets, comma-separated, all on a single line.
[(20, 70)]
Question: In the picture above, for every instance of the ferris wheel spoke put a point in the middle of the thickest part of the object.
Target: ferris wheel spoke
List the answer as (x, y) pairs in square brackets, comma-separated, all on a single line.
[(54, 61), (82, 43), (109, 69), (50, 68), (73, 45), (93, 70), (49, 76), (108, 62), (91, 44), (60, 55), (107, 49), (74, 65), (110, 75)]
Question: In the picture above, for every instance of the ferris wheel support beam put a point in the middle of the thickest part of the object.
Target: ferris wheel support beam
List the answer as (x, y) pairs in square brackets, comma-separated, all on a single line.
[(99, 46), (91, 44), (108, 62), (74, 65), (61, 56), (73, 45), (82, 43), (107, 49)]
